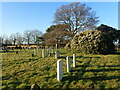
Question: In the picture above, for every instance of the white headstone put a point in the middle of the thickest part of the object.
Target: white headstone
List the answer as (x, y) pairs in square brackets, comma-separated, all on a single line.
[(48, 51), (59, 70), (52, 50), (56, 46), (68, 63), (57, 54), (74, 60), (43, 53), (35, 52)]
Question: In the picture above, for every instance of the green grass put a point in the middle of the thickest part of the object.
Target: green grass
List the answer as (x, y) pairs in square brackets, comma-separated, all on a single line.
[(93, 71)]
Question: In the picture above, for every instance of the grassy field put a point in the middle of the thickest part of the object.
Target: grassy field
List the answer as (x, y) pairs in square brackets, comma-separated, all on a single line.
[(20, 71)]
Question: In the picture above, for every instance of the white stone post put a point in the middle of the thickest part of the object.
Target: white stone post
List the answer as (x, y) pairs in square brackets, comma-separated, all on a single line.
[(57, 54), (52, 50), (59, 70), (34, 52), (68, 63), (37, 50), (56, 46), (48, 51), (43, 53), (74, 60)]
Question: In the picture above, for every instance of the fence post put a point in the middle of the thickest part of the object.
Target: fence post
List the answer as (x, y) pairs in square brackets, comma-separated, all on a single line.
[(59, 70), (68, 63), (74, 60)]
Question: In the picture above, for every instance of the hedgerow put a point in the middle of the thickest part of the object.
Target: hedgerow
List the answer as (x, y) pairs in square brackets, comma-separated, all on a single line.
[(91, 42)]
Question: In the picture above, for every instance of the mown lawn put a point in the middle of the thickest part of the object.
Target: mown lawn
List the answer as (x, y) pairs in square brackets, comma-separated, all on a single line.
[(20, 71)]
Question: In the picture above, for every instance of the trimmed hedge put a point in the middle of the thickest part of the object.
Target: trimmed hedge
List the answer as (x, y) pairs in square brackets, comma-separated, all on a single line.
[(91, 42)]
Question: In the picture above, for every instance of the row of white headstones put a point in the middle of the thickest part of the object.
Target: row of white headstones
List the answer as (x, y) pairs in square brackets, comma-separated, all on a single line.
[(46, 52), (60, 66)]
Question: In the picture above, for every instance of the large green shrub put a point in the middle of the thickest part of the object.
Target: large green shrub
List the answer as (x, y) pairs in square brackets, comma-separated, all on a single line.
[(91, 42)]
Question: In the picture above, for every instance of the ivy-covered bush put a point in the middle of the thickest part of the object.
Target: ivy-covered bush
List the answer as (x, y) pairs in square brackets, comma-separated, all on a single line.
[(91, 42)]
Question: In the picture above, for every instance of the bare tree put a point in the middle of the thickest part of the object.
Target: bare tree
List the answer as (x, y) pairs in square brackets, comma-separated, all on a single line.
[(78, 16), (5, 40), (30, 36), (16, 38), (19, 38), (1, 41), (27, 36), (13, 38), (35, 33)]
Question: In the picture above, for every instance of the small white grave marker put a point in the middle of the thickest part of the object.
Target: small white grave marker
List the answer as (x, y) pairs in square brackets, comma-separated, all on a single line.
[(37, 50), (52, 50), (57, 54), (59, 70), (43, 53), (34, 52), (48, 51), (74, 60), (56, 46), (68, 63)]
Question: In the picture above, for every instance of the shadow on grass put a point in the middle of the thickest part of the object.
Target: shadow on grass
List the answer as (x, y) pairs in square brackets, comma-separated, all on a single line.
[(62, 57), (84, 66), (89, 57), (102, 70), (97, 78), (79, 61), (110, 66), (30, 60), (63, 53), (94, 70), (7, 51), (11, 51), (79, 57), (117, 53)]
